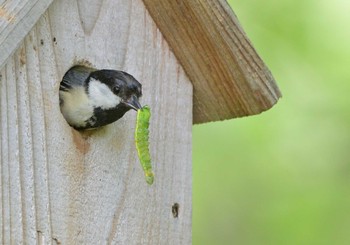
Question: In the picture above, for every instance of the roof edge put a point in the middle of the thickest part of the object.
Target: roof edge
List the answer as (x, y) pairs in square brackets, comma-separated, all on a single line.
[(18, 18), (229, 78)]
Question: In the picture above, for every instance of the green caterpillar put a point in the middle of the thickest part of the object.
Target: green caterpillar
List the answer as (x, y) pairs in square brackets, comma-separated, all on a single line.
[(142, 144)]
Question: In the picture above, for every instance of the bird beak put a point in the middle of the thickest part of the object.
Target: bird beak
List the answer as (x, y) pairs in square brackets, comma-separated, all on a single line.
[(133, 103)]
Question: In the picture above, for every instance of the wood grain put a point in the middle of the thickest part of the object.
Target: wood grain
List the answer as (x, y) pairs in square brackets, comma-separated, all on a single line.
[(17, 18), (59, 186), (228, 77)]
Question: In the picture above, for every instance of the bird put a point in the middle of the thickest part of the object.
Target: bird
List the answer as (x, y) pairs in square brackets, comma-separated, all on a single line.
[(91, 98)]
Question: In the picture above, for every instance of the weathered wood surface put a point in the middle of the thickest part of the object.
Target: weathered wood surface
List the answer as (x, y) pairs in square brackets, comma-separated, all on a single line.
[(17, 18), (229, 78), (59, 187)]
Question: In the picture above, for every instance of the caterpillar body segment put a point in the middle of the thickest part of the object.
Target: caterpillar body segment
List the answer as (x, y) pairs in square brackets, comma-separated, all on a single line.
[(142, 142)]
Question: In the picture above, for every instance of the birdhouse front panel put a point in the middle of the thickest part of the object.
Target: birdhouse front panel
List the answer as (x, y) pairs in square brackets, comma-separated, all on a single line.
[(63, 186)]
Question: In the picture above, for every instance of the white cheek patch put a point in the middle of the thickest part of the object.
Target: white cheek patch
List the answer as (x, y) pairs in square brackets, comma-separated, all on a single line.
[(101, 96)]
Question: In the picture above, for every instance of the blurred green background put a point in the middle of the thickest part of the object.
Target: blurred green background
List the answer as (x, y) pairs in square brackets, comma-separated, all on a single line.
[(282, 177)]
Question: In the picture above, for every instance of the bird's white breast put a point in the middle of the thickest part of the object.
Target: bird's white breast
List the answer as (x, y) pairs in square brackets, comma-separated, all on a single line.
[(76, 107)]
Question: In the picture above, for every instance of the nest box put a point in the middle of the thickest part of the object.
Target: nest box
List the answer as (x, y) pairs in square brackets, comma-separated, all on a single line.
[(59, 186)]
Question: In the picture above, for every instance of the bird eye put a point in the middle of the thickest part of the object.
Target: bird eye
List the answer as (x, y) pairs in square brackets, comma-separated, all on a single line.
[(116, 89)]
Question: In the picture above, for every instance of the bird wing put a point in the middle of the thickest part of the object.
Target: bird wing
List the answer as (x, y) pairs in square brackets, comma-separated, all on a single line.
[(74, 77)]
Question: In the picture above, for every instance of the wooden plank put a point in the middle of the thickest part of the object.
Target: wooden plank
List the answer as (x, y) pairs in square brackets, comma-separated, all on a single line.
[(17, 18), (62, 187), (229, 78)]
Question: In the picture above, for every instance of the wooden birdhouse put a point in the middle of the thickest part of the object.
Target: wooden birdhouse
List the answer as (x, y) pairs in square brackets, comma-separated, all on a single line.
[(61, 186)]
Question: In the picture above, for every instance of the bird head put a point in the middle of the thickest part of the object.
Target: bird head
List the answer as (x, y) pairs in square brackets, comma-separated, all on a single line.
[(92, 98), (110, 89)]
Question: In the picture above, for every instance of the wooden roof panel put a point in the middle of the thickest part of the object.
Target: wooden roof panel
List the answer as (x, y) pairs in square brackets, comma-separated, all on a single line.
[(17, 18), (229, 78)]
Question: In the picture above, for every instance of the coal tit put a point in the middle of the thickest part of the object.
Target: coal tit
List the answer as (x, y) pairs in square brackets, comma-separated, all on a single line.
[(92, 98)]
